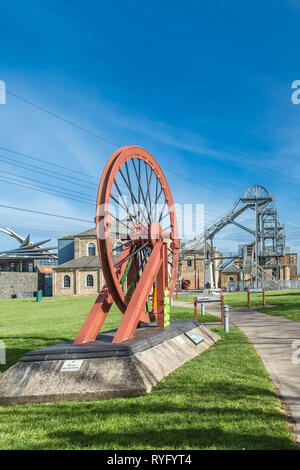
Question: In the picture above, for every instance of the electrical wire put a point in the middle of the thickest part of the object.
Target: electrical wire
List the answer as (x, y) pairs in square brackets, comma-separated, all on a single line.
[(44, 172), (44, 213), (44, 191), (51, 185), (25, 155), (98, 136)]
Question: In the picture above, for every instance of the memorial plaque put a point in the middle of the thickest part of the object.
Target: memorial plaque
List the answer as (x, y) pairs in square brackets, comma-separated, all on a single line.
[(193, 336), (71, 366)]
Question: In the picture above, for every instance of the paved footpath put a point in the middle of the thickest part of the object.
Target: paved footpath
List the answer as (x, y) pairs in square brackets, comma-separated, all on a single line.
[(273, 338)]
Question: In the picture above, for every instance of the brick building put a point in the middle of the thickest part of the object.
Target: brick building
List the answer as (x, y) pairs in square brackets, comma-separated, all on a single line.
[(79, 271), (288, 270), (191, 266)]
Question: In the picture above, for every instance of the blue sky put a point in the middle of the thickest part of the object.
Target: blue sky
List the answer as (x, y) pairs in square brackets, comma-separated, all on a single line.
[(204, 86)]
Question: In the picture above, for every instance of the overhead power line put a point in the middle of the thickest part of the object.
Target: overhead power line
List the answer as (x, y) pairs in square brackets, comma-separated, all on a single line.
[(25, 155), (94, 134), (84, 195), (45, 172), (53, 193), (98, 136), (45, 213)]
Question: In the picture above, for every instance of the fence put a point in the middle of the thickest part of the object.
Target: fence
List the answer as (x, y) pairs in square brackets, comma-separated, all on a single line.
[(241, 286), (293, 284)]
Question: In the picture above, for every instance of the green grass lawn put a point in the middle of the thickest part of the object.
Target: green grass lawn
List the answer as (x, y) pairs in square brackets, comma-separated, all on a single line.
[(215, 401), (185, 297), (26, 325), (286, 302)]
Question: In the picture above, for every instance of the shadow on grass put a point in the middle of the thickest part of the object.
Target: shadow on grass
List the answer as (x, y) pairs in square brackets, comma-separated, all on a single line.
[(13, 355), (159, 402), (191, 437), (156, 425)]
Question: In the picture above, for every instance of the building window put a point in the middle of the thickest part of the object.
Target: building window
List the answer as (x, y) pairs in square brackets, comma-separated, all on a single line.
[(91, 249), (67, 282), (189, 262), (89, 281), (118, 248)]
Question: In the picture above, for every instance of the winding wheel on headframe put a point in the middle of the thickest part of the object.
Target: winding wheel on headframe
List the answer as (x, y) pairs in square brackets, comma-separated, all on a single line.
[(134, 204)]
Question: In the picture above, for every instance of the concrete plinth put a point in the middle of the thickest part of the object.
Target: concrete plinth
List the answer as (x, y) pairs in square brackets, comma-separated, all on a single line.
[(101, 369)]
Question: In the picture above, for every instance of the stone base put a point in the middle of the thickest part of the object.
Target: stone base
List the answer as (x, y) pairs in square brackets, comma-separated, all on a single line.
[(101, 369)]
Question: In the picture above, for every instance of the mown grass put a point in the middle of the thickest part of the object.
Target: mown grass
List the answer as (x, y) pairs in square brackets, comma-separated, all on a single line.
[(286, 302), (185, 297), (26, 325), (215, 401)]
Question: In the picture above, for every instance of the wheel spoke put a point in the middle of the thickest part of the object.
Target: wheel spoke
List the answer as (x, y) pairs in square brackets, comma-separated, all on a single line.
[(135, 252), (160, 217), (120, 221), (148, 187), (133, 198), (122, 245), (141, 191), (123, 207)]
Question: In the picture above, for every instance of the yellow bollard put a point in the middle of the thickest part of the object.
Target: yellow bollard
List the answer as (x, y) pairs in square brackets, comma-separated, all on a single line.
[(154, 300)]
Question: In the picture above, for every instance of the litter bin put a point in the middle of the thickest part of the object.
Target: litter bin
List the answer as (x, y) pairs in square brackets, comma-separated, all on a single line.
[(39, 295)]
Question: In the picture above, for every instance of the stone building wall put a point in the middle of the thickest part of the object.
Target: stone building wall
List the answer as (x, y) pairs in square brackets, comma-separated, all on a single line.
[(13, 283), (81, 246), (58, 287), (191, 265), (226, 277), (78, 279)]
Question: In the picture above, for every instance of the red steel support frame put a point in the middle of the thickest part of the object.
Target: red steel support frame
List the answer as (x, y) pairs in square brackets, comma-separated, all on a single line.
[(155, 268), (95, 319)]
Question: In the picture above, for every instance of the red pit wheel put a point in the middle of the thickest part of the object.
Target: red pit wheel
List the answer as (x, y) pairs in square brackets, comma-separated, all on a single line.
[(134, 205)]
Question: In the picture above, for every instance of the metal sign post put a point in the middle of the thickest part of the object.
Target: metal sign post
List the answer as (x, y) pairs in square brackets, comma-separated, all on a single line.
[(226, 318)]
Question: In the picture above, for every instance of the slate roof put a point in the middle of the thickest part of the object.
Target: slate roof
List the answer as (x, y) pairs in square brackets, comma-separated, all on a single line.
[(91, 232), (231, 269), (83, 262)]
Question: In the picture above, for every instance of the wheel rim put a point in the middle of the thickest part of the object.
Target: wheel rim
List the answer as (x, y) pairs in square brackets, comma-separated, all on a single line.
[(134, 185), (256, 191)]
